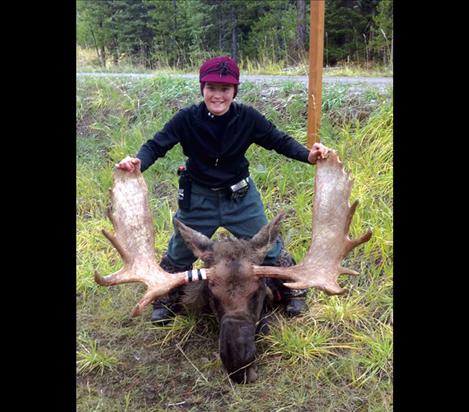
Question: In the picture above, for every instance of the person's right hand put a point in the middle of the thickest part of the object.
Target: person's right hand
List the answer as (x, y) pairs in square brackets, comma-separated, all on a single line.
[(129, 164)]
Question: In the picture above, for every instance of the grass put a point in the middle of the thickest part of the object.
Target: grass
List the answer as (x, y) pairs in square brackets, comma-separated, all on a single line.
[(90, 359), (87, 61), (358, 69), (376, 354), (337, 357), (293, 342)]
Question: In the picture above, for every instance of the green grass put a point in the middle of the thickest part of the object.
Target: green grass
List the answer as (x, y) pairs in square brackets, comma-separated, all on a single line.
[(293, 342), (337, 357), (358, 70), (90, 359), (88, 62), (376, 354)]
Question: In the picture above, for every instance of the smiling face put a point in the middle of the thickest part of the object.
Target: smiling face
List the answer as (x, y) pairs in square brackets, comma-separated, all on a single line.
[(218, 97)]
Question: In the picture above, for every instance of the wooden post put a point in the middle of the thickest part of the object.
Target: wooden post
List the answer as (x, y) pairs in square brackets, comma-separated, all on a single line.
[(316, 50)]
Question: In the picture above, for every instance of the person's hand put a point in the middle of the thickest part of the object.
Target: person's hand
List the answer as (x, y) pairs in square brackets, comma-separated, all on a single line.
[(130, 164), (318, 151)]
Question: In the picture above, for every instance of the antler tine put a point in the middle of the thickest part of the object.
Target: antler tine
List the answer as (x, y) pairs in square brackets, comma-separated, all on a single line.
[(332, 216), (121, 276)]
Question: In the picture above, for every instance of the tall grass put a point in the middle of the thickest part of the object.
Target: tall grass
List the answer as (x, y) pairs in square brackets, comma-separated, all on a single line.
[(87, 61), (358, 69), (338, 356)]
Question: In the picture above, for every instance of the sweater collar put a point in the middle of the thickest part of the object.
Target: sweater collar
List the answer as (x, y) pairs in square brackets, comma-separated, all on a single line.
[(202, 111)]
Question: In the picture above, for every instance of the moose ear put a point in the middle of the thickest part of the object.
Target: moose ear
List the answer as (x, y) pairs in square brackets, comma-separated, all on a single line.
[(263, 241), (201, 245)]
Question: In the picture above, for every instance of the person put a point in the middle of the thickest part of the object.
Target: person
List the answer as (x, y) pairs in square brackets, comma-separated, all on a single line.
[(215, 188)]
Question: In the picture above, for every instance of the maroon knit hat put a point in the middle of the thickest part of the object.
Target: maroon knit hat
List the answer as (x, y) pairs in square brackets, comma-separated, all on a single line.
[(221, 69)]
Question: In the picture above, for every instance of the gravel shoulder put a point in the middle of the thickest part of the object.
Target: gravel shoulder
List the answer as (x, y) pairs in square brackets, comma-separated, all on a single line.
[(380, 82)]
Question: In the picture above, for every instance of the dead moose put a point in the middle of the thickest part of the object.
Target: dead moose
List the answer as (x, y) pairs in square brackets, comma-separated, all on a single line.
[(234, 283)]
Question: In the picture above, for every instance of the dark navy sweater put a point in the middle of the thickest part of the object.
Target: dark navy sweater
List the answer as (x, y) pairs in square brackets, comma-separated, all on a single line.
[(216, 146)]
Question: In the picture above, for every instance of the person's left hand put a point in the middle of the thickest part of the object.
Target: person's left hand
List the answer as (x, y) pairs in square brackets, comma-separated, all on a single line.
[(318, 151)]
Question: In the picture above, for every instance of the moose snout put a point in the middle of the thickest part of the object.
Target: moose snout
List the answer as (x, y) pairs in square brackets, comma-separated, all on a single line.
[(238, 349)]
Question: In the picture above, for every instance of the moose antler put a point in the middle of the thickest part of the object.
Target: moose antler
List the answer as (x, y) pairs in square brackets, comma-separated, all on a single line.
[(330, 244), (134, 239)]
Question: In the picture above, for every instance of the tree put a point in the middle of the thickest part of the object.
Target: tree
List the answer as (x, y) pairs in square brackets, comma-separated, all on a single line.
[(273, 35), (234, 32), (136, 32), (118, 27), (347, 23), (227, 16), (300, 28), (382, 31), (93, 21), (180, 31)]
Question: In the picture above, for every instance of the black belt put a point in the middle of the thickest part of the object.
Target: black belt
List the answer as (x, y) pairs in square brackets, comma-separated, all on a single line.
[(234, 187)]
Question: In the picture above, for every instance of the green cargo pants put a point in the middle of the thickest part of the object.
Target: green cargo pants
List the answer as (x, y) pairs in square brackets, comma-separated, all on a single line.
[(210, 210)]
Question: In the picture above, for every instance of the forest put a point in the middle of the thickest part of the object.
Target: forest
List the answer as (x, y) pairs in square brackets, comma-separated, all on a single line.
[(182, 33)]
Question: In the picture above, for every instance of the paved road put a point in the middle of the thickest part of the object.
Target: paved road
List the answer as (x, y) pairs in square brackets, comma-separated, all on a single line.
[(380, 82)]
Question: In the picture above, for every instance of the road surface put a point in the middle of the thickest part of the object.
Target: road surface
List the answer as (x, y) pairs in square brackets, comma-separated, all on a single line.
[(380, 82)]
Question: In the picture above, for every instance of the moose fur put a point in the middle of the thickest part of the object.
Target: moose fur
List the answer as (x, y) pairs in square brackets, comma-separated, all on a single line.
[(233, 293)]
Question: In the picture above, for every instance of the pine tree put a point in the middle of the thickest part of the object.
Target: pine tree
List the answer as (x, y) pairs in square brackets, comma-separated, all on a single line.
[(136, 33), (382, 31), (93, 21), (300, 29)]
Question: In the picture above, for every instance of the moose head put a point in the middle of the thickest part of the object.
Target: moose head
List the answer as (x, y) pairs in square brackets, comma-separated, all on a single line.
[(234, 278), (235, 294)]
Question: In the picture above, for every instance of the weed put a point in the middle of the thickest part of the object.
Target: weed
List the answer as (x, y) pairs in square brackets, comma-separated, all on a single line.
[(87, 61), (344, 309), (90, 359), (335, 357), (179, 330), (292, 341), (375, 360)]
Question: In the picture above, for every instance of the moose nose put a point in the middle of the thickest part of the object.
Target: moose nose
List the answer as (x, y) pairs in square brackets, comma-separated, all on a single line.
[(238, 349)]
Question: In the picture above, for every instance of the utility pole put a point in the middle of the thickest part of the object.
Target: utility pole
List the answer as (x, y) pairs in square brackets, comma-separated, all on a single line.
[(316, 50)]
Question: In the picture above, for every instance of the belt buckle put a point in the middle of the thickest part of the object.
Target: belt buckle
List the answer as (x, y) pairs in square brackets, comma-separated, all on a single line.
[(239, 190), (237, 186)]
